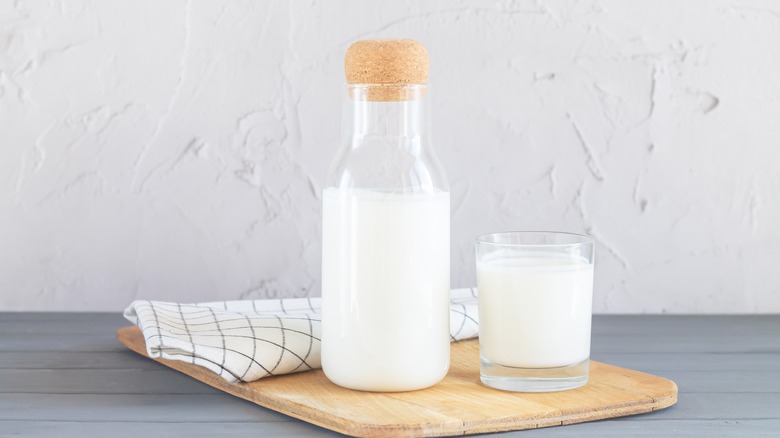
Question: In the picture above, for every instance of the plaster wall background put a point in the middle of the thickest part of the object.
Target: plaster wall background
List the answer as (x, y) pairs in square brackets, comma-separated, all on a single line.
[(177, 150)]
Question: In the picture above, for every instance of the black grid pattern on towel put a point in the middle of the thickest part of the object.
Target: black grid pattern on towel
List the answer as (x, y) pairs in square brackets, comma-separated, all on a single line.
[(243, 342), (249, 340), (464, 314)]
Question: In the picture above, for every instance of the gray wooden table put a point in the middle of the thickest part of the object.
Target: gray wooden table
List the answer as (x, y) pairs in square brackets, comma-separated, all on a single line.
[(64, 374)]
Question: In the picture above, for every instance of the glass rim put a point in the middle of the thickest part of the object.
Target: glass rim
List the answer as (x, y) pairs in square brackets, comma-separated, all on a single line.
[(584, 239)]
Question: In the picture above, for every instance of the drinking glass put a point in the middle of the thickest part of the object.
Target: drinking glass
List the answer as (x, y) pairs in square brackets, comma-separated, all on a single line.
[(535, 298)]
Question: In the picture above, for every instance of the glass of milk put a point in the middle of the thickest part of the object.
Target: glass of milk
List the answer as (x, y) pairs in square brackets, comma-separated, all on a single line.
[(535, 297)]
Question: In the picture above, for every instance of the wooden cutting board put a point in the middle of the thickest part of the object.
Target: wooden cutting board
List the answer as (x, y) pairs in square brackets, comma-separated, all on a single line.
[(459, 405)]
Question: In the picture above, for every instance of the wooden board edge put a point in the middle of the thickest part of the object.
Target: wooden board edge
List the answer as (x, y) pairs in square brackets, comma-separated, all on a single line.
[(127, 336), (660, 398), (649, 403), (580, 417), (538, 423)]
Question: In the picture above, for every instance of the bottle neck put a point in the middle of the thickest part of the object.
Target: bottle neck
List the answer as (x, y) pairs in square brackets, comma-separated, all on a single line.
[(385, 143), (381, 111)]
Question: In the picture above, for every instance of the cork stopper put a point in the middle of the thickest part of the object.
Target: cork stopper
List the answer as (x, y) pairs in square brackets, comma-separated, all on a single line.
[(387, 67)]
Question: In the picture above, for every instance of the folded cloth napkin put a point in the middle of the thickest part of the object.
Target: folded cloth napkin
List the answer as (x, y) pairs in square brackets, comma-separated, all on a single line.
[(249, 340)]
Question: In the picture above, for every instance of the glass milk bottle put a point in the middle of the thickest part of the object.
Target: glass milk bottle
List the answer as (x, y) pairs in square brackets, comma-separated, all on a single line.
[(386, 230)]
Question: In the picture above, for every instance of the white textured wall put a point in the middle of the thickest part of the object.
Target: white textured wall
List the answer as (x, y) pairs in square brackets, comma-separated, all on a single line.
[(176, 150)]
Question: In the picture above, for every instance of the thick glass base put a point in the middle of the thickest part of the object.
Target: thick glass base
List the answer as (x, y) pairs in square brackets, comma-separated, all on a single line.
[(534, 379)]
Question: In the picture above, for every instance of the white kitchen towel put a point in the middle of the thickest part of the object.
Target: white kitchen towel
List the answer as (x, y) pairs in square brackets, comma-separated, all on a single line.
[(249, 340)]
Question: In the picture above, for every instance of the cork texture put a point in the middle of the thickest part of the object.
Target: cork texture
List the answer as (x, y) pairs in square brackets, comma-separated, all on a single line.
[(387, 65)]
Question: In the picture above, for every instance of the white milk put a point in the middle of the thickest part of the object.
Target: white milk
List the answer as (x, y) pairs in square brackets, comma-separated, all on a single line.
[(534, 312), (385, 289)]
